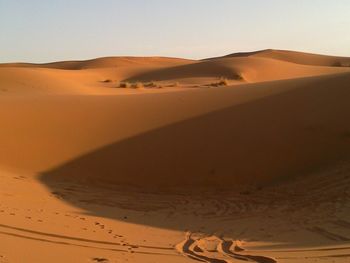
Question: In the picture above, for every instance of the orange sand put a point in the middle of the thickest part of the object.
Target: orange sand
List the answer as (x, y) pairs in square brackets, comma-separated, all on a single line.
[(254, 170)]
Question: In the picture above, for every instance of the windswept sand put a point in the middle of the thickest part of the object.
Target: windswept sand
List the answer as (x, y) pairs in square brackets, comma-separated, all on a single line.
[(178, 171)]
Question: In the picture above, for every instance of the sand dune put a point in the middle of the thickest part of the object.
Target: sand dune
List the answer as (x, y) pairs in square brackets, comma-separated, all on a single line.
[(254, 170), (297, 57), (227, 148), (248, 69), (106, 62), (101, 76)]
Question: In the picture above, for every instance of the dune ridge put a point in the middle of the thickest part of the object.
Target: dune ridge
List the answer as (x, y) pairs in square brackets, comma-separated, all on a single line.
[(104, 62), (102, 76), (296, 57)]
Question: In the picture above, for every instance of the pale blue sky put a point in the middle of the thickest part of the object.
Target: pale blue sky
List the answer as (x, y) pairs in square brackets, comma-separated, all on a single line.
[(50, 30)]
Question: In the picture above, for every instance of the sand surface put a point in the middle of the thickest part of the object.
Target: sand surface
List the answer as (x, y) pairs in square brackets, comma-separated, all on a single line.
[(181, 168)]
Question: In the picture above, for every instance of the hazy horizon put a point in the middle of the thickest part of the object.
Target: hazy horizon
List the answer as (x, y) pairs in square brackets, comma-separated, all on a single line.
[(37, 31)]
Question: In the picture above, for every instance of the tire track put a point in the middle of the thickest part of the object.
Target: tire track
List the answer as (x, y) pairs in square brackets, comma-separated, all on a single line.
[(222, 254), (189, 248), (82, 242), (325, 233), (225, 247)]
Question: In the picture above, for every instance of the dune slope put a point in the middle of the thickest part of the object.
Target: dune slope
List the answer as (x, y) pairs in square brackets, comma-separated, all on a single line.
[(236, 134), (300, 128)]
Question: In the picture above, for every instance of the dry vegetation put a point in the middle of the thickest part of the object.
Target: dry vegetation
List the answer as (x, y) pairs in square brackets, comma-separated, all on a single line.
[(220, 83), (124, 85), (151, 85), (174, 85), (139, 85), (341, 64), (225, 81)]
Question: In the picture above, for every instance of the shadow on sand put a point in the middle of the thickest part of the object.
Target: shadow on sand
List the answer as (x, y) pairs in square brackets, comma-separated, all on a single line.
[(206, 172)]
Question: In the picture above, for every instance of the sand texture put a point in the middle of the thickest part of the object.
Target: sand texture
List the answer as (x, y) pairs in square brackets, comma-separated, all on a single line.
[(241, 158)]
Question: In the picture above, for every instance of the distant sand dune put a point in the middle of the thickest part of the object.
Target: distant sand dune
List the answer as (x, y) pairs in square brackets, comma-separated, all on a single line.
[(297, 57), (249, 69), (105, 62), (101, 76)]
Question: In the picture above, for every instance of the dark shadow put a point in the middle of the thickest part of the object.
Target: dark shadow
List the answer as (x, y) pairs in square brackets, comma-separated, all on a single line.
[(200, 69), (240, 54), (212, 160)]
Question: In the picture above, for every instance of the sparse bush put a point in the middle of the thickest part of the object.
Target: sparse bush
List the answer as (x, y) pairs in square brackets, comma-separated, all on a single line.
[(153, 85), (238, 77), (124, 85), (127, 85), (226, 82), (221, 82), (137, 85), (341, 64), (175, 84), (107, 81), (150, 85)]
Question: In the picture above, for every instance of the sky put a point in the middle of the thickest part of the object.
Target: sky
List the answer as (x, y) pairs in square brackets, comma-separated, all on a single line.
[(52, 30)]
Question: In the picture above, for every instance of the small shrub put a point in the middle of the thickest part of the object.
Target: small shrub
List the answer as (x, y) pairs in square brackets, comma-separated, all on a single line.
[(107, 81), (175, 84), (150, 85), (221, 82), (226, 82), (341, 64), (238, 77), (124, 85), (137, 85)]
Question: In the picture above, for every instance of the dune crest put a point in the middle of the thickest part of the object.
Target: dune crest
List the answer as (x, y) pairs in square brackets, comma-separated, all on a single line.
[(297, 57)]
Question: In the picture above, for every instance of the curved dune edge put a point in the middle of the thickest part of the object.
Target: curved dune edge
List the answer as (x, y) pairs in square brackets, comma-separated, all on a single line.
[(259, 141)]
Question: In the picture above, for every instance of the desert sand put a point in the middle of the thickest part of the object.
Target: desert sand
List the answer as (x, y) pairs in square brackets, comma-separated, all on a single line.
[(238, 158)]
